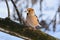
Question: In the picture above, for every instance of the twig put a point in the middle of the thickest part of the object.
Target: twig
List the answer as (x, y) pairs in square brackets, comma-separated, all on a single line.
[(8, 9), (19, 16)]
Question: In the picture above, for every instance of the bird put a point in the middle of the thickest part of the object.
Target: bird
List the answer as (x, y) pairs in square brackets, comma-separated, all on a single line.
[(31, 19)]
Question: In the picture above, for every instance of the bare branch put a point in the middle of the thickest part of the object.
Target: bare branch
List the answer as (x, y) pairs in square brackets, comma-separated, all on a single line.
[(54, 23), (13, 28), (8, 8), (15, 34), (19, 15)]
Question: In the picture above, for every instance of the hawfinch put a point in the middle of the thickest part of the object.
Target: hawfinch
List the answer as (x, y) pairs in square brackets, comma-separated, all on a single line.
[(31, 19)]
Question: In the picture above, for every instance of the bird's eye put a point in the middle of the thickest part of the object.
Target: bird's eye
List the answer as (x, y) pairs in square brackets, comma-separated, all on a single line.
[(27, 13)]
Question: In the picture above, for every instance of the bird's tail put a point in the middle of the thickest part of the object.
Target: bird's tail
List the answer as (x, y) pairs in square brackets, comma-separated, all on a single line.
[(38, 27)]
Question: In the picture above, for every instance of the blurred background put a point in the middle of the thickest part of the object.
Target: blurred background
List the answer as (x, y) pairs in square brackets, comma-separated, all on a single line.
[(47, 11)]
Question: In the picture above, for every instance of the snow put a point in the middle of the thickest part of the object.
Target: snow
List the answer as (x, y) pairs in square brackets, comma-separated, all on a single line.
[(49, 9), (55, 34), (3, 10), (4, 36)]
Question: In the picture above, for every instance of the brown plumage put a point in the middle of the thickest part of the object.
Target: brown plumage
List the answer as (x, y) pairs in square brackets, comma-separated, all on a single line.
[(31, 19)]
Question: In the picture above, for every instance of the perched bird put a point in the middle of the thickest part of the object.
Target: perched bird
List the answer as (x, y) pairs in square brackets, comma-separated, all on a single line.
[(31, 19)]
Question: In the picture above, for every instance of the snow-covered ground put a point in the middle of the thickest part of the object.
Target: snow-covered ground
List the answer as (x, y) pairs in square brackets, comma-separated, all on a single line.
[(49, 9)]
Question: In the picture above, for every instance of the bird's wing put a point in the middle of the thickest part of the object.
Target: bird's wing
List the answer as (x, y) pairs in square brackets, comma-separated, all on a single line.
[(37, 18)]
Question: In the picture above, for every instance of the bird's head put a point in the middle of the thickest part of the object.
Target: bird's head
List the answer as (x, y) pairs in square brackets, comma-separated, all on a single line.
[(30, 11)]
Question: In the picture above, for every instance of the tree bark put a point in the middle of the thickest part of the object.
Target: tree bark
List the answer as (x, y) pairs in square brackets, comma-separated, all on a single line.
[(22, 31)]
